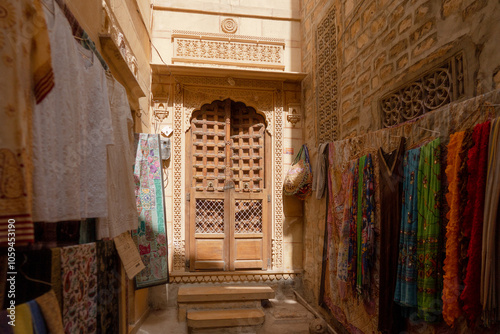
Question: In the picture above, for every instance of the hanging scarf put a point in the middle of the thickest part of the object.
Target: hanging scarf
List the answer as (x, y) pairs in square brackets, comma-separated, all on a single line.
[(368, 216), (353, 249), (429, 186), (451, 289), (359, 226), (406, 284), (477, 166)]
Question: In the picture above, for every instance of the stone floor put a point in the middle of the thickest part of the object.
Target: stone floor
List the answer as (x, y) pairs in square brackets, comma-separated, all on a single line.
[(282, 316)]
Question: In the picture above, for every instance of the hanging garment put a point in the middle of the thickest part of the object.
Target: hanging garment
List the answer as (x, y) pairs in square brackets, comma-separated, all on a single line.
[(24, 323), (429, 187), (122, 211), (368, 223), (451, 288), (320, 171), (463, 177), (359, 225), (108, 287), (56, 134), (331, 175), (390, 187), (347, 220), (96, 133), (27, 77), (79, 275), (406, 284), (39, 326), (474, 214), (51, 312), (151, 236), (490, 282), (353, 230)]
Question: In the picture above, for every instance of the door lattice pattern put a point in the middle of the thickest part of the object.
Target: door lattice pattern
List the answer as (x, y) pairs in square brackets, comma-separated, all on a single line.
[(248, 216), (209, 216), (209, 160), (247, 149)]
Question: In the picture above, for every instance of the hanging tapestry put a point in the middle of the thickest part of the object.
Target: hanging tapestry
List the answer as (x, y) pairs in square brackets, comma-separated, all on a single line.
[(79, 276), (108, 287), (151, 236)]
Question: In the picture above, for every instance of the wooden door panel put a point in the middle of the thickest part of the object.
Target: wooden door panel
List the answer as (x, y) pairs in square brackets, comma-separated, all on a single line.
[(248, 249)]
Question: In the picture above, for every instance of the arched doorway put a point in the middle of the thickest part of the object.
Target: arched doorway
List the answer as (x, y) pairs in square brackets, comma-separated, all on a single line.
[(228, 215)]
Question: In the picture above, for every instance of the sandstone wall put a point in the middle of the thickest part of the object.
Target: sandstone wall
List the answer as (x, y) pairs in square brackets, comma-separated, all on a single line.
[(381, 45)]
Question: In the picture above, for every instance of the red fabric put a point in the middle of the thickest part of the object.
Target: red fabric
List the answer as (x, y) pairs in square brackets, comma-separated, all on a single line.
[(473, 220)]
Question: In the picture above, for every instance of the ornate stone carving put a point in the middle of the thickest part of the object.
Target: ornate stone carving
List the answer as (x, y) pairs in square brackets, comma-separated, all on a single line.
[(326, 78), (438, 87), (196, 97), (229, 26), (179, 244), (294, 114), (111, 27), (223, 82), (229, 51), (207, 278), (277, 251)]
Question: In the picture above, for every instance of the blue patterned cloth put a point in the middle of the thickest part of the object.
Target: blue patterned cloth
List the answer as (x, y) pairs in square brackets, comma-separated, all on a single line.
[(406, 284)]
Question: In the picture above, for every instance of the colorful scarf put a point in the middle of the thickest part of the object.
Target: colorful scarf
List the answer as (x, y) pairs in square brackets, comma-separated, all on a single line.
[(451, 289), (151, 236), (353, 249), (429, 187), (24, 323), (406, 284), (477, 166), (368, 216), (343, 255)]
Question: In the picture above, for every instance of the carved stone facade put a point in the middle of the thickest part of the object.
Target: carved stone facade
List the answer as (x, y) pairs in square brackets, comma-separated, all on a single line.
[(227, 50), (440, 86), (326, 78)]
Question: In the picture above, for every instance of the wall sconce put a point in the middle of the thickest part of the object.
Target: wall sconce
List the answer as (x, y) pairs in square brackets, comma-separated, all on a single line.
[(293, 115), (160, 111)]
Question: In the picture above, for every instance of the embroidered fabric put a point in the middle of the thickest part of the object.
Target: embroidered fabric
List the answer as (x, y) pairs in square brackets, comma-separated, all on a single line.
[(96, 133), (451, 288), (56, 131), (122, 211)]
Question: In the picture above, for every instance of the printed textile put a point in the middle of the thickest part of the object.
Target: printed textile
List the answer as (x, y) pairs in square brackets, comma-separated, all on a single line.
[(151, 236), (27, 77), (428, 230), (451, 289), (367, 208), (406, 284), (79, 276), (390, 188), (108, 287), (474, 214)]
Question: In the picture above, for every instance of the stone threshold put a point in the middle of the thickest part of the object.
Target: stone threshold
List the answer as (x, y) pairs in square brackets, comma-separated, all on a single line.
[(232, 276)]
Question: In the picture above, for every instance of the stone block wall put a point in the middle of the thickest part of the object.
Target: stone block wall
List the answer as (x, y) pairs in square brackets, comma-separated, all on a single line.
[(382, 45)]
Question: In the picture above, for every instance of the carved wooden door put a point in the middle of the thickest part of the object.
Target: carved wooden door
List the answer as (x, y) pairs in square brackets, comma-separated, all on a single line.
[(228, 198)]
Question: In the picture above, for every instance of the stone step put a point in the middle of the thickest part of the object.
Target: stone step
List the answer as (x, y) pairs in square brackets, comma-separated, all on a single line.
[(225, 318), (199, 294)]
